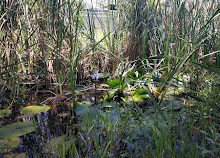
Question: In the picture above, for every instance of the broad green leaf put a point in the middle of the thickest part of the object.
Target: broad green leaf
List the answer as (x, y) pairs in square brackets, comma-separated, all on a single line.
[(140, 92), (15, 155), (34, 109), (138, 99), (4, 113), (9, 143), (109, 95), (104, 85), (113, 83), (133, 75), (17, 129)]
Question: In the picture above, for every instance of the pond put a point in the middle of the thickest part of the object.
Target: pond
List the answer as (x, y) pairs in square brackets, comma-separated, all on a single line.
[(47, 128)]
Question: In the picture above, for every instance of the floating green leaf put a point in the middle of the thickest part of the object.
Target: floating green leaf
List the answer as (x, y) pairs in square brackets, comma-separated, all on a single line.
[(15, 155), (34, 109), (8, 144), (4, 113), (17, 129)]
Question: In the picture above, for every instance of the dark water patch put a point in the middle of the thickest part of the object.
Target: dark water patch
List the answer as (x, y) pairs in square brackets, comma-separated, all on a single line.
[(49, 125)]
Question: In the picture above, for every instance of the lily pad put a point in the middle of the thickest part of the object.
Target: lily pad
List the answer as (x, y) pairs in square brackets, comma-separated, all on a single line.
[(15, 155), (8, 144), (113, 83), (4, 113), (17, 129), (34, 109)]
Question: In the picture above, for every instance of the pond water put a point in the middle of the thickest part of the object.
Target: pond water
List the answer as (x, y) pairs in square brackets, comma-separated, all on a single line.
[(56, 126)]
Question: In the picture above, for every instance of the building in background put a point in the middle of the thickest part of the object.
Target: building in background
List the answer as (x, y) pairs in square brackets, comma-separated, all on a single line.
[(99, 14), (100, 4)]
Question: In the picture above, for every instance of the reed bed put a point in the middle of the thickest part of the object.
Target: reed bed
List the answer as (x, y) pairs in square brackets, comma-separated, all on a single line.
[(172, 44)]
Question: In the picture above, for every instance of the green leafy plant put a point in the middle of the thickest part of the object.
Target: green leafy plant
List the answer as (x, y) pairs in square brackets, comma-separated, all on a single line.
[(34, 109), (17, 129)]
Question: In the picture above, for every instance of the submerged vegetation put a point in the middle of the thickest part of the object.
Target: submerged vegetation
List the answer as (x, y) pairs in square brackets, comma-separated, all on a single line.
[(137, 78)]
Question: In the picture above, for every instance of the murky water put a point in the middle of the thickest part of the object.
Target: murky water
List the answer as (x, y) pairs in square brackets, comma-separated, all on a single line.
[(56, 123)]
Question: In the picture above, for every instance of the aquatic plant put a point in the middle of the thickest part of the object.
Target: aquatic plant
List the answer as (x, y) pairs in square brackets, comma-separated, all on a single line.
[(161, 86)]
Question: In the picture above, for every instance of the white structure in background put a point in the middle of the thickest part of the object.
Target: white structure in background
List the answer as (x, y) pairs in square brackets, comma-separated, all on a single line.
[(98, 14), (97, 3)]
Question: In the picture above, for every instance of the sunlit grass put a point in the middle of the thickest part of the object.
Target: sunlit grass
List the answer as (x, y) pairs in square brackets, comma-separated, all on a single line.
[(170, 48)]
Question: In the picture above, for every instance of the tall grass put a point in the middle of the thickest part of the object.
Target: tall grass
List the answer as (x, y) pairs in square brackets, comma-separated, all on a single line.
[(48, 45)]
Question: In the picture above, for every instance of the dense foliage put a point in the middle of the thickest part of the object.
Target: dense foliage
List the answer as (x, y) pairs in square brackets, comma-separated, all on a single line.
[(134, 79)]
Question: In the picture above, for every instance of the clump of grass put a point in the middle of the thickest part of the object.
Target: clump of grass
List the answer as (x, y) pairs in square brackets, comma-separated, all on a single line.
[(47, 45)]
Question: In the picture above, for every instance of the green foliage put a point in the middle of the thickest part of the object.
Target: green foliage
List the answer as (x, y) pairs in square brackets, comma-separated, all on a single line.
[(9, 143), (148, 47), (16, 155), (34, 109), (17, 129), (114, 83), (103, 75), (140, 92), (61, 145), (133, 75), (4, 113), (109, 95)]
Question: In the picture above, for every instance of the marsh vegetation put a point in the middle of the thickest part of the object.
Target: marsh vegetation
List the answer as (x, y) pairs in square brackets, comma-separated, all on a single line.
[(134, 78)]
